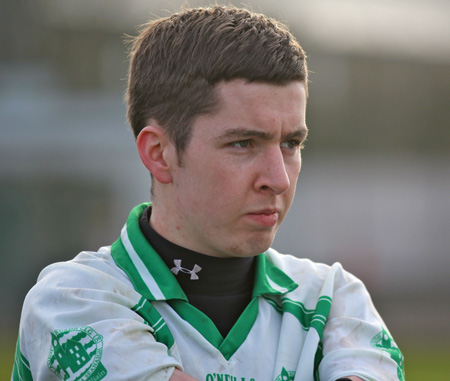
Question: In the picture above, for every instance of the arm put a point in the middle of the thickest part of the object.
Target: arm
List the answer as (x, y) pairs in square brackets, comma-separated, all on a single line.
[(178, 375), (81, 307), (355, 339)]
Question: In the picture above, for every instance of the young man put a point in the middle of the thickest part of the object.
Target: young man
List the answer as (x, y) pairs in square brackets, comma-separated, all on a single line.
[(191, 289)]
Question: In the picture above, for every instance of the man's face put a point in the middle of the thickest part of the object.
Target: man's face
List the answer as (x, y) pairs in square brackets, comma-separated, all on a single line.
[(239, 171)]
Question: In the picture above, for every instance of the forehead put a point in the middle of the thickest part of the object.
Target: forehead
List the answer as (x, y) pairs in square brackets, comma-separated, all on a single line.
[(248, 94), (243, 104)]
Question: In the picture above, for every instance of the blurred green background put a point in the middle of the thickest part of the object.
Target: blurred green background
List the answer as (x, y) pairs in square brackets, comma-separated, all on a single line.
[(374, 192)]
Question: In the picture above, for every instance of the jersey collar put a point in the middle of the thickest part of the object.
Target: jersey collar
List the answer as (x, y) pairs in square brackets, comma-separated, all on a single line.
[(152, 278), (270, 280)]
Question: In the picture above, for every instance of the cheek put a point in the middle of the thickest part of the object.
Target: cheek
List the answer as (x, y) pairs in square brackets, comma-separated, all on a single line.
[(221, 192), (205, 188)]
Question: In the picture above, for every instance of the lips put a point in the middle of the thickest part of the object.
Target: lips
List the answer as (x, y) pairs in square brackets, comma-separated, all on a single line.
[(264, 218)]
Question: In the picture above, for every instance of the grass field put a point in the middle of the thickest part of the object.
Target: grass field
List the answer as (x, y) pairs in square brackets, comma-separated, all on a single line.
[(427, 363), (422, 364)]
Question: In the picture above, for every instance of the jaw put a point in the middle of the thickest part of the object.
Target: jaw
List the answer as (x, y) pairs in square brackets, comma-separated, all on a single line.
[(252, 244)]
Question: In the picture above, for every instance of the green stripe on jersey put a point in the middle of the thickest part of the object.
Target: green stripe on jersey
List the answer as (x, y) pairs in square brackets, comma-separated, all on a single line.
[(203, 324), (145, 268), (308, 318), (21, 370), (317, 360), (122, 260), (321, 314), (153, 318), (240, 330), (269, 279)]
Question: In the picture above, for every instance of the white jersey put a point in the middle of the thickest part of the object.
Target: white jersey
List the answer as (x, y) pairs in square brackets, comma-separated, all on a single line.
[(120, 314)]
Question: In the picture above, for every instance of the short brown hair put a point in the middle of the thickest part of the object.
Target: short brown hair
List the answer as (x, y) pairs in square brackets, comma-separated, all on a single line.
[(177, 61)]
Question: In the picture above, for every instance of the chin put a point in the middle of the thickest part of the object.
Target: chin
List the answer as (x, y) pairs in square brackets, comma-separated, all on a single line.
[(251, 245), (247, 250), (260, 247)]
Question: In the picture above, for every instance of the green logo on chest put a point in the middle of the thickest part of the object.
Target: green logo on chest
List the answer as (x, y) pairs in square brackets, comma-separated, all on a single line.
[(75, 355), (286, 375)]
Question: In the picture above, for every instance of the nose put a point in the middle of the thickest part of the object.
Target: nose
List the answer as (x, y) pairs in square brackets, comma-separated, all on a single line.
[(272, 174)]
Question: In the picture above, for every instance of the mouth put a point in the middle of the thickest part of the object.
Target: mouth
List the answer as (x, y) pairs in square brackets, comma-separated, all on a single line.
[(265, 218)]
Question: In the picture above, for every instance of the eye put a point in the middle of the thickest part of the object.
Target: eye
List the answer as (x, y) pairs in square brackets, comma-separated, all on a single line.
[(292, 144), (241, 143)]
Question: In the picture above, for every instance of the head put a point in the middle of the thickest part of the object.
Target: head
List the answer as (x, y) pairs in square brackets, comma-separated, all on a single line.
[(176, 63), (217, 101)]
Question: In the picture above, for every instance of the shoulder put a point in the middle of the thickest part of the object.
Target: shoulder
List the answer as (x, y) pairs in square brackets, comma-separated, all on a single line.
[(89, 270), (315, 279), (89, 301), (302, 269), (88, 280)]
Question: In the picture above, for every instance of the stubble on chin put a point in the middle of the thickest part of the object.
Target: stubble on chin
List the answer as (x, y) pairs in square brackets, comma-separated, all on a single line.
[(250, 248)]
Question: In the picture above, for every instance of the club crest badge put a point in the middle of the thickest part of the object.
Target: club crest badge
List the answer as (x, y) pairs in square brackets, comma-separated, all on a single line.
[(75, 355), (286, 375), (384, 342)]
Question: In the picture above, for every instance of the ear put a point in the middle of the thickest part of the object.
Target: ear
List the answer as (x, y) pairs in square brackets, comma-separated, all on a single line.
[(153, 147)]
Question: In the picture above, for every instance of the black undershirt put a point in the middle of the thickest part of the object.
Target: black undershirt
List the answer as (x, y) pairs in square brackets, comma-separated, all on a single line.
[(224, 285)]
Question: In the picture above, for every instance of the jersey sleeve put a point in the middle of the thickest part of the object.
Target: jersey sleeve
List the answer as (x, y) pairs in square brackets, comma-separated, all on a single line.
[(83, 322), (355, 340)]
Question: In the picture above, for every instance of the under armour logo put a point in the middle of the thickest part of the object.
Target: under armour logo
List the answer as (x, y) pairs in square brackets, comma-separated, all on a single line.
[(178, 268)]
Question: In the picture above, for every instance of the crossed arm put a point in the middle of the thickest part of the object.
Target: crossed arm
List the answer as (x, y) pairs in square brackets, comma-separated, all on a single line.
[(178, 375)]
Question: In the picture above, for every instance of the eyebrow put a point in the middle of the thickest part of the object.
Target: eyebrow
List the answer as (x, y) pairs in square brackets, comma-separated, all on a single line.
[(243, 133), (301, 133)]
